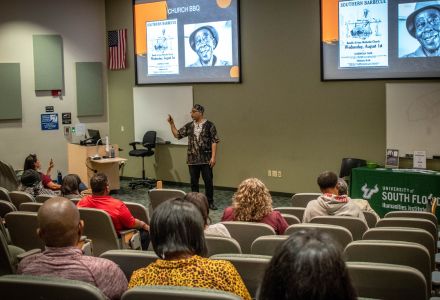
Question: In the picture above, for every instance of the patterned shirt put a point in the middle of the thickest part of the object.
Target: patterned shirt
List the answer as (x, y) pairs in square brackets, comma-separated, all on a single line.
[(70, 263), (199, 148), (195, 271)]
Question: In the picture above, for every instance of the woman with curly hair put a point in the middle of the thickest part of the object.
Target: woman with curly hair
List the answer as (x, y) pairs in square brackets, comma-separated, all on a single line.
[(253, 203)]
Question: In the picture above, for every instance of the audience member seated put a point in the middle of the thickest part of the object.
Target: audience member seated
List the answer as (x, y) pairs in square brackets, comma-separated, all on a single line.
[(30, 182), (177, 238), (121, 217), (60, 228), (330, 203), (70, 186), (32, 163), (307, 266), (253, 203), (201, 202), (364, 205)]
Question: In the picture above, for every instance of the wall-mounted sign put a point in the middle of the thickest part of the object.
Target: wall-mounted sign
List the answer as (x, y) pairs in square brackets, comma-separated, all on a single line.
[(49, 121), (66, 118), (49, 109)]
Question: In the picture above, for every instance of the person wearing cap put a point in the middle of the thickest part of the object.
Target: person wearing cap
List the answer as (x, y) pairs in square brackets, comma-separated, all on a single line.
[(424, 25), (202, 150), (203, 41)]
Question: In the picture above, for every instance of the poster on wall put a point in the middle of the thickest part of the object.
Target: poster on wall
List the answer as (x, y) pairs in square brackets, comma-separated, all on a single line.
[(49, 121), (363, 34)]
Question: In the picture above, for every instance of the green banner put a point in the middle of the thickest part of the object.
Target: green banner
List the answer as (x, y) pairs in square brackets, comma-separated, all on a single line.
[(395, 189)]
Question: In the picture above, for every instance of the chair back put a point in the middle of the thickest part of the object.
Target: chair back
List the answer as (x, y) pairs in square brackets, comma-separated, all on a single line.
[(348, 164), (302, 199), (6, 207), (138, 211), (356, 226), (18, 197), (48, 288), (391, 252), (22, 227), (405, 234), (370, 218), (221, 245), (75, 200), (291, 219), (266, 245), (30, 206), (176, 293), (157, 196), (294, 211), (8, 179), (410, 222), (250, 267), (413, 214), (4, 194), (338, 233), (99, 228), (246, 232), (385, 281), (43, 198), (149, 139), (130, 260), (6, 261)]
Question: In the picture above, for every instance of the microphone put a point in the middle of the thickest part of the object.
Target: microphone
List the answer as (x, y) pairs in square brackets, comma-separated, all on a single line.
[(97, 156)]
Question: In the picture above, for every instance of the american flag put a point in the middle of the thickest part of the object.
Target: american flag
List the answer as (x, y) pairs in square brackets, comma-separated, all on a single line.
[(117, 46)]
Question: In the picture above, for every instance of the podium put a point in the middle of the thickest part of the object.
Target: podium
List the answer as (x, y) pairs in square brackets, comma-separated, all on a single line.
[(79, 162)]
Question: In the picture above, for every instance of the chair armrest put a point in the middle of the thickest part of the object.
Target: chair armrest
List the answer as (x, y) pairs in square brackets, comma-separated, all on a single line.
[(130, 239), (133, 144), (28, 253), (87, 247)]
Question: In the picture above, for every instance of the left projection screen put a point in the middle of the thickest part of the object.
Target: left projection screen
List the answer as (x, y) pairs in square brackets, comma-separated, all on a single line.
[(186, 41)]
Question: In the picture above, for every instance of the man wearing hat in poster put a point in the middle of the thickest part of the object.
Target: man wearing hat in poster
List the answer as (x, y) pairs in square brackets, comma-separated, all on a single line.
[(424, 25), (202, 150), (203, 41)]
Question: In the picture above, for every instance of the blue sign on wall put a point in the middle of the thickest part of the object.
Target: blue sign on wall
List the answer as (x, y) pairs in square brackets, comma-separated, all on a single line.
[(49, 121)]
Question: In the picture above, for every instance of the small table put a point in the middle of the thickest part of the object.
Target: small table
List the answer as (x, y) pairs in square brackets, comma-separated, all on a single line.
[(395, 189)]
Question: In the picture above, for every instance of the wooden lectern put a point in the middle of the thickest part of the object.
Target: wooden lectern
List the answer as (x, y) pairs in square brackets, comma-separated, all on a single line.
[(79, 162)]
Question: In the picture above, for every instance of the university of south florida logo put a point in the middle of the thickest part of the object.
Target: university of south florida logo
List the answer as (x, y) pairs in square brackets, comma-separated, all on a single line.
[(369, 192)]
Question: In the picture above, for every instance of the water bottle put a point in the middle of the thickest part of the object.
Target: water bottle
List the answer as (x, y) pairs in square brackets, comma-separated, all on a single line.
[(59, 177)]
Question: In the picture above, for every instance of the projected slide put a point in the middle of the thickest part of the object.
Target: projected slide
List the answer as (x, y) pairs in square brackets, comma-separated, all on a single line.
[(186, 41), (374, 39)]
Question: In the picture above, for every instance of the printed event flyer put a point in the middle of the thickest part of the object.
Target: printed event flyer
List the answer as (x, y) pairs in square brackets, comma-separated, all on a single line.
[(163, 49), (363, 33)]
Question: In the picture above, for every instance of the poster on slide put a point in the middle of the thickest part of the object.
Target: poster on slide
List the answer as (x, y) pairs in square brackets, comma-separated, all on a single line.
[(363, 33), (163, 48)]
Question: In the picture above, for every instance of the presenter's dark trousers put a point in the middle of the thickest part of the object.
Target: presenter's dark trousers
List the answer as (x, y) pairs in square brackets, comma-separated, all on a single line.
[(206, 170)]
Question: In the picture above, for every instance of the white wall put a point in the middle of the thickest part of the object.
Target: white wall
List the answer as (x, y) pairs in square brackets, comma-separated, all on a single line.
[(81, 24)]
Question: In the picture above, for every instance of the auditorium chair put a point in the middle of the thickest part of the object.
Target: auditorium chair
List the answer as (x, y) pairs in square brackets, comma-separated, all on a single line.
[(6, 207), (221, 245), (246, 232), (157, 196), (30, 206), (291, 219), (162, 292), (22, 227), (43, 198), (4, 194), (356, 226), (138, 211), (302, 199), (250, 267), (370, 218), (339, 234), (266, 245), (295, 211), (130, 260), (18, 197)]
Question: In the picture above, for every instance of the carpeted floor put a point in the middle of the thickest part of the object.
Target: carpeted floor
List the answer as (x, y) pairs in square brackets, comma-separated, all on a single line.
[(222, 198)]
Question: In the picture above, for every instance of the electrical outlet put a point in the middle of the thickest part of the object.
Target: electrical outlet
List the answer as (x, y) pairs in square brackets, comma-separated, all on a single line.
[(269, 173), (122, 128), (274, 173), (279, 174)]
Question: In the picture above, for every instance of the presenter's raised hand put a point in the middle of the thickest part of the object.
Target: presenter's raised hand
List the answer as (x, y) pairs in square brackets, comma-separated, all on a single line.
[(170, 120)]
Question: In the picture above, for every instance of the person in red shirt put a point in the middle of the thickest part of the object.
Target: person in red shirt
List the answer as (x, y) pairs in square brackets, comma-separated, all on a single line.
[(253, 203), (121, 217)]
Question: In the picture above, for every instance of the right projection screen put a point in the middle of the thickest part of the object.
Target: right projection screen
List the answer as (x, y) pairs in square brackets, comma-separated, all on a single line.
[(374, 39)]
